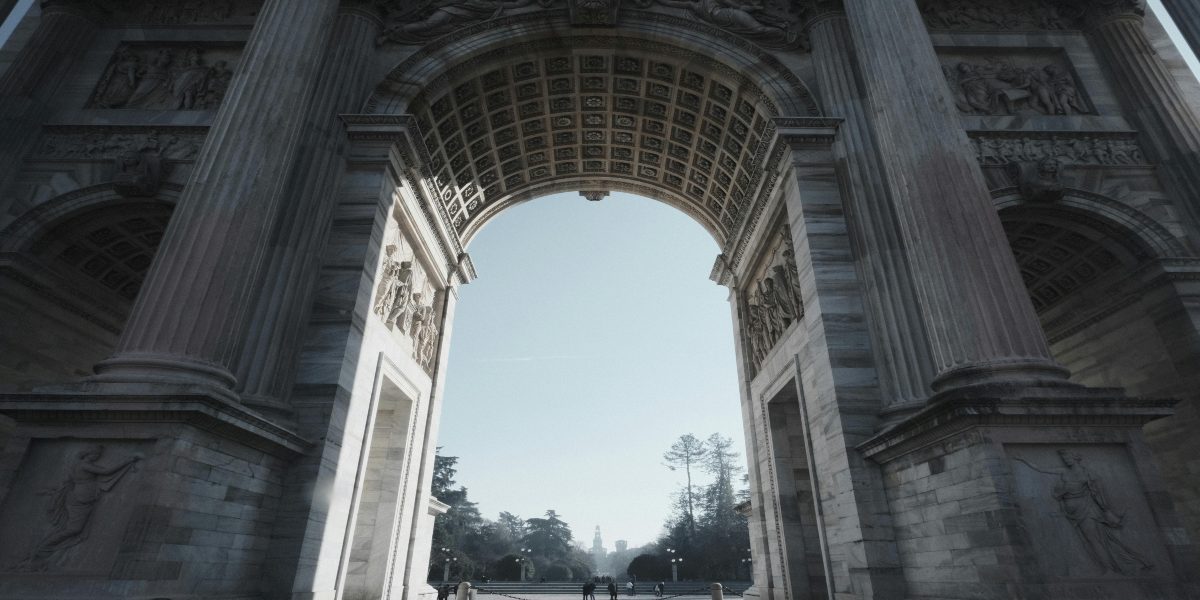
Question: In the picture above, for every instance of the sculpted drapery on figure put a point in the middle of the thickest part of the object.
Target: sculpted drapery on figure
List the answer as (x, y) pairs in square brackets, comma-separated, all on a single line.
[(404, 302), (999, 87), (1080, 495), (162, 78), (774, 301), (72, 505)]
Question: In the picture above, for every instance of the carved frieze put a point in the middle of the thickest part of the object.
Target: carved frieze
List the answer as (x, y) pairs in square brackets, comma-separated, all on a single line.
[(166, 77), (771, 23), (405, 299), (418, 22), (1019, 84), (1024, 15), (1067, 149), (773, 300), (594, 12), (181, 12), (69, 505), (109, 143), (994, 15)]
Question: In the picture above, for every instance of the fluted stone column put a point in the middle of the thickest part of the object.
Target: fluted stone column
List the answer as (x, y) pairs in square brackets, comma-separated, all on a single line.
[(265, 367), (6, 7), (980, 323), (188, 323), (66, 29), (1151, 98), (1186, 14), (900, 346)]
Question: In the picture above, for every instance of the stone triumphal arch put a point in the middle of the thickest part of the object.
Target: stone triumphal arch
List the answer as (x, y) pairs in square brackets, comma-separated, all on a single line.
[(960, 239)]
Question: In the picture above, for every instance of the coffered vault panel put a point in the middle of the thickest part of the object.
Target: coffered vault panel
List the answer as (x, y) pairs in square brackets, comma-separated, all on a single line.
[(659, 124)]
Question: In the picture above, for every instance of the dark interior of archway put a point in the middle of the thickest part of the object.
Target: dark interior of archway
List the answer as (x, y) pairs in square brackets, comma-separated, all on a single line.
[(1071, 259), (693, 135), (112, 247)]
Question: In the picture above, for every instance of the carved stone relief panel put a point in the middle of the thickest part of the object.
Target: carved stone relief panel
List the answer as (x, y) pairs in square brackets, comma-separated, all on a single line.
[(995, 15), (162, 76), (83, 143), (1085, 510), (406, 298), (1102, 149), (418, 22), (182, 12), (772, 298), (1038, 82), (770, 23), (69, 505)]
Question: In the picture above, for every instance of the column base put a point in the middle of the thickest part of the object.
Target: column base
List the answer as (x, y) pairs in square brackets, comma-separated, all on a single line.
[(1020, 372), (1033, 491), (137, 491), (155, 369)]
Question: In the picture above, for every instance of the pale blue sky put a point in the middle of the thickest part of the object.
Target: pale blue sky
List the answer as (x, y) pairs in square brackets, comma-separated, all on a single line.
[(591, 340)]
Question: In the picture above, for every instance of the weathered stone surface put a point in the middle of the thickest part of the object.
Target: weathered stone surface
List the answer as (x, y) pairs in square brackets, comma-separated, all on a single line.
[(907, 196)]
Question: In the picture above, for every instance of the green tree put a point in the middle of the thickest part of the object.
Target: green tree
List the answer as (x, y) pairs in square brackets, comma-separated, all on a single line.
[(549, 537), (460, 526), (686, 452)]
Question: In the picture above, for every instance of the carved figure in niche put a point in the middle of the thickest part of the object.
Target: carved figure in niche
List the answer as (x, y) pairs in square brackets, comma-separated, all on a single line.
[(748, 19), (73, 503), (435, 18), (756, 331), (777, 300), (138, 173), (391, 297), (1039, 181), (424, 332), (153, 81), (1080, 495)]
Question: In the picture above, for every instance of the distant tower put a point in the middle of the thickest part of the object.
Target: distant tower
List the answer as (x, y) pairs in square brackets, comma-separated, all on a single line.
[(597, 543), (622, 545), (599, 554)]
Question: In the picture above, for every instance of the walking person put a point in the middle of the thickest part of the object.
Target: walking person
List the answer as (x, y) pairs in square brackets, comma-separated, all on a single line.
[(612, 589), (586, 590), (658, 589)]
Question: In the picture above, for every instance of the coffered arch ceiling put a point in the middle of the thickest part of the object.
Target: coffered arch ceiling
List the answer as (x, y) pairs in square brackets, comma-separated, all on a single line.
[(516, 119), (650, 123)]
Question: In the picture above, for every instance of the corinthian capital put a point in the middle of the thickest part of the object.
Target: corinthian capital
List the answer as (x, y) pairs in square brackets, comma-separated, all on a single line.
[(812, 11)]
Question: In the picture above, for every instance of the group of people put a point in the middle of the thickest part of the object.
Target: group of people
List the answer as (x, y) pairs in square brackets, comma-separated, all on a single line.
[(1000, 87), (589, 589)]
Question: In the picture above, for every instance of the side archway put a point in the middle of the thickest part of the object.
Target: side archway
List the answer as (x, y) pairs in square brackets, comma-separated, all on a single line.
[(74, 266)]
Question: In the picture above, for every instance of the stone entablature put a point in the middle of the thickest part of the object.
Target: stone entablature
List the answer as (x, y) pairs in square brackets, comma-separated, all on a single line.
[(1097, 149)]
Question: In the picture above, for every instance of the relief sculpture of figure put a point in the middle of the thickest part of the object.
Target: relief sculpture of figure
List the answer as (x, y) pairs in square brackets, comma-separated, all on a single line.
[(439, 17), (190, 82), (122, 81), (391, 297), (777, 300), (748, 19), (73, 503), (154, 82), (1081, 497)]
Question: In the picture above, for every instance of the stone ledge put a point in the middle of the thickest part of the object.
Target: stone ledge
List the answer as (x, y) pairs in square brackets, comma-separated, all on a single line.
[(157, 403), (1007, 405)]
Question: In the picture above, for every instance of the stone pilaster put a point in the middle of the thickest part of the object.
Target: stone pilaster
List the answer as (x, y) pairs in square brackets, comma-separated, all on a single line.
[(1151, 99), (6, 7), (977, 315), (264, 368), (188, 323), (66, 29), (900, 345)]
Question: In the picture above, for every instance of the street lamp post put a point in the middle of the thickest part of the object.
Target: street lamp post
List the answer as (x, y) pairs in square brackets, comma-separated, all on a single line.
[(446, 556), (675, 562), (521, 560)]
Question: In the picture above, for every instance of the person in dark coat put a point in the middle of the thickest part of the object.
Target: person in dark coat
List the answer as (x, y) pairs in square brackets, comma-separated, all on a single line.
[(612, 590)]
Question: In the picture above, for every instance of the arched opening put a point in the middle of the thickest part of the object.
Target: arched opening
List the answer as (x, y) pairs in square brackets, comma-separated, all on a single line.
[(472, 125), (592, 340), (1115, 317), (88, 258)]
